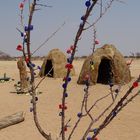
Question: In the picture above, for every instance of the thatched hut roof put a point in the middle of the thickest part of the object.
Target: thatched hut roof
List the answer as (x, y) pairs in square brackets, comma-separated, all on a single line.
[(54, 63), (105, 65)]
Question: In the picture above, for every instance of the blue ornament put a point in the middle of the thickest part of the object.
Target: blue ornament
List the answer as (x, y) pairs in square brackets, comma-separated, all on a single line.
[(95, 130), (114, 113), (39, 67), (26, 28), (68, 60), (83, 18), (69, 79), (79, 115), (31, 109), (33, 65), (22, 34), (64, 85), (30, 27), (88, 3), (89, 138), (66, 94)]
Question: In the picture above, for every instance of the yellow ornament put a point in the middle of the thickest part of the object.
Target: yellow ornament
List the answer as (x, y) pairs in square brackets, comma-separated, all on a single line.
[(92, 67)]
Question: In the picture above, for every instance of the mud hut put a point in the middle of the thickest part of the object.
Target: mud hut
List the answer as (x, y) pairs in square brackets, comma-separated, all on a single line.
[(54, 64), (106, 65)]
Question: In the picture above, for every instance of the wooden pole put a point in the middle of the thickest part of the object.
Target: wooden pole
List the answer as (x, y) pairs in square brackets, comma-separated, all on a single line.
[(23, 74), (11, 120)]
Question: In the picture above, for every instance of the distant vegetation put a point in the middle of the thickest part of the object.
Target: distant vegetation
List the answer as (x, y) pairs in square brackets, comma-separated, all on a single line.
[(4, 56)]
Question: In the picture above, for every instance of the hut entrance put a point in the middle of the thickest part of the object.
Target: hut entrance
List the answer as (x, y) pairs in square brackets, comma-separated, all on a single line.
[(105, 72), (49, 68)]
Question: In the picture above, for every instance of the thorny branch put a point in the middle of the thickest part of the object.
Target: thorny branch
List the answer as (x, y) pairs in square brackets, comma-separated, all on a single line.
[(32, 82), (78, 34), (120, 105), (101, 14), (52, 35)]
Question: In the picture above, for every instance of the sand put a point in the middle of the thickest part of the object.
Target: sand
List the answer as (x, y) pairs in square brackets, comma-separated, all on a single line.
[(126, 126)]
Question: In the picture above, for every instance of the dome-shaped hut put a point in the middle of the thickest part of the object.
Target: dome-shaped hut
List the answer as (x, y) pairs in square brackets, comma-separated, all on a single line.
[(54, 64), (106, 65)]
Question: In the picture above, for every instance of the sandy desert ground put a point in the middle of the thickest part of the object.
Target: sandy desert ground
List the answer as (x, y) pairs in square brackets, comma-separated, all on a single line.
[(126, 126)]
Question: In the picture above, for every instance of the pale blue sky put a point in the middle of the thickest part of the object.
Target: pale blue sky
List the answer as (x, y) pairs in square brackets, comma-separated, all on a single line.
[(120, 26)]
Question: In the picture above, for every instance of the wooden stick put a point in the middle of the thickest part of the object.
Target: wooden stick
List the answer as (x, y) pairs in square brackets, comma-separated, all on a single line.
[(11, 120)]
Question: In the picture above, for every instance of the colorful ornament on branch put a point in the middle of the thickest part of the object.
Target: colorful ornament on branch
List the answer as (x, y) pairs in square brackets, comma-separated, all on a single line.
[(65, 129), (95, 130), (69, 79), (31, 109), (69, 66), (72, 47), (64, 85), (27, 59), (89, 138), (66, 94), (38, 67), (68, 51), (19, 48), (83, 18), (32, 64), (21, 6), (135, 84), (62, 107), (22, 34), (96, 42), (88, 3), (79, 115), (28, 28)]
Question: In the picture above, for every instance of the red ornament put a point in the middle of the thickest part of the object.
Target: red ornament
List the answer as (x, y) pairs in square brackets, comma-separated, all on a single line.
[(27, 59), (19, 48), (72, 48), (65, 129), (96, 138), (62, 107), (135, 84), (21, 5), (69, 66), (96, 42), (68, 51)]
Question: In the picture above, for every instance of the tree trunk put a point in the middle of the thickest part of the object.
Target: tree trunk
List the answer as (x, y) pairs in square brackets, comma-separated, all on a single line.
[(23, 74)]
